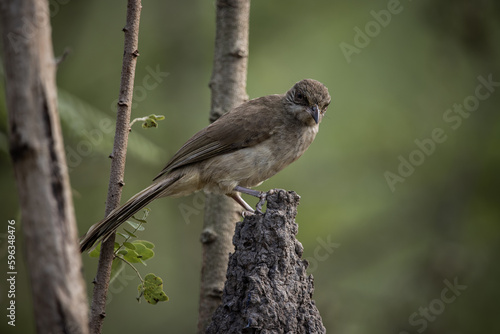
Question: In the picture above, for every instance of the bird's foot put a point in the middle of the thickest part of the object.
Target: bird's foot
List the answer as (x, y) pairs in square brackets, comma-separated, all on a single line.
[(262, 200), (247, 213), (259, 194)]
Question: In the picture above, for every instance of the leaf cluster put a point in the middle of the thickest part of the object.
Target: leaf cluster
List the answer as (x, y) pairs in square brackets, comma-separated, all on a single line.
[(131, 251)]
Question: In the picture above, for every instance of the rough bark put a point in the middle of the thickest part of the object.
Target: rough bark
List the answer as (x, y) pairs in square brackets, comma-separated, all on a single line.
[(130, 54), (36, 148), (267, 288), (228, 85)]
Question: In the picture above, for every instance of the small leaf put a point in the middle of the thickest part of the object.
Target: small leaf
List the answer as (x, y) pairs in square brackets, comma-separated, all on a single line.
[(157, 117), (152, 289), (122, 235), (135, 225), (132, 256), (146, 243), (144, 216), (130, 233), (96, 251), (129, 245), (122, 252), (150, 123), (143, 252)]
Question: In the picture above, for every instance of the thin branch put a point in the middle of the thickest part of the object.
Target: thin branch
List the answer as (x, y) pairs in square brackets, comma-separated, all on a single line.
[(116, 178), (131, 266), (127, 238)]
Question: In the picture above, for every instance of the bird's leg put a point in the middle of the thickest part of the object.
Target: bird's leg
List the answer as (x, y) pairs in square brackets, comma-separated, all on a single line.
[(241, 202), (261, 195)]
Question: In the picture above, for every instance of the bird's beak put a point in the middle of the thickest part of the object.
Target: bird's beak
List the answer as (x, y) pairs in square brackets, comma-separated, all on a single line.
[(314, 112)]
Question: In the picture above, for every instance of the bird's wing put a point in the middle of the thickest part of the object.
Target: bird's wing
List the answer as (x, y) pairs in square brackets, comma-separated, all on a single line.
[(244, 126)]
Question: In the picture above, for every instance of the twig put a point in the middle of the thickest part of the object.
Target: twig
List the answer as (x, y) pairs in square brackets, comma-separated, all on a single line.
[(127, 238), (130, 55), (132, 266)]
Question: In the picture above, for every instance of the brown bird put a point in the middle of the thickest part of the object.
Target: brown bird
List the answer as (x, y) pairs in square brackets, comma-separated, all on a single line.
[(241, 149)]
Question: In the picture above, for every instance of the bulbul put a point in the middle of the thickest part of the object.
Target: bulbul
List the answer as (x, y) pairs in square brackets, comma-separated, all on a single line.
[(240, 150)]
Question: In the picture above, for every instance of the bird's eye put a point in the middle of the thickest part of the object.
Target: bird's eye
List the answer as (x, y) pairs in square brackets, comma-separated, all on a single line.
[(300, 98)]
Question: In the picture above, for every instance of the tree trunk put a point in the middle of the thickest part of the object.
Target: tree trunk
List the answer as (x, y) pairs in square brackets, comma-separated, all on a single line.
[(36, 148), (118, 156), (228, 85), (267, 288)]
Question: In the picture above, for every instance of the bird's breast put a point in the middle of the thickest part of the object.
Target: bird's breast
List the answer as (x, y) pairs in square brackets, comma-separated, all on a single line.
[(250, 166)]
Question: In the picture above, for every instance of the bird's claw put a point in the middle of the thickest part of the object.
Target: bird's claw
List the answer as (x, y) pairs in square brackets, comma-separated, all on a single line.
[(262, 200), (247, 213)]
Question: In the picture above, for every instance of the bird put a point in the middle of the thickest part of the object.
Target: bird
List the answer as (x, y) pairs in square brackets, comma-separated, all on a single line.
[(240, 150)]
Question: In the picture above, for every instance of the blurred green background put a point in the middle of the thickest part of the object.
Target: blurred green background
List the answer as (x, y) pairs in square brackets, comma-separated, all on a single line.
[(382, 253)]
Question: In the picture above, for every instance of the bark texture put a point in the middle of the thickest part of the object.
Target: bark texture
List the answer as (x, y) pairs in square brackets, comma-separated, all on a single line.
[(36, 148), (116, 183), (228, 85), (267, 288)]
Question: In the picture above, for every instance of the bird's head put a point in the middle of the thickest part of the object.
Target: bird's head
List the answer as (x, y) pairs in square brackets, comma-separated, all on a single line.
[(308, 100)]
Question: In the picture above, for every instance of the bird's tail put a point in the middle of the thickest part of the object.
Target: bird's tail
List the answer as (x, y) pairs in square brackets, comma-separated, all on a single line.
[(107, 226)]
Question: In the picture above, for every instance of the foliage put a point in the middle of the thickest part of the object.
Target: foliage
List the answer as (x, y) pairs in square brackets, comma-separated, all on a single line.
[(135, 251), (148, 121)]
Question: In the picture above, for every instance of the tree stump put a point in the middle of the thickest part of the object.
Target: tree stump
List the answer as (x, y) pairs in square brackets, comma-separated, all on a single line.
[(267, 288)]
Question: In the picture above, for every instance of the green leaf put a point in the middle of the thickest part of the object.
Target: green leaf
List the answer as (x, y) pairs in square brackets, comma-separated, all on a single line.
[(143, 252), (135, 225), (96, 251), (152, 289), (129, 245), (132, 256), (144, 216), (157, 117), (122, 235), (122, 252), (146, 243), (79, 117), (149, 123), (130, 233)]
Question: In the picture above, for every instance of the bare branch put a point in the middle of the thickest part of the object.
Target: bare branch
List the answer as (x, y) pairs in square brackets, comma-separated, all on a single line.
[(116, 182)]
